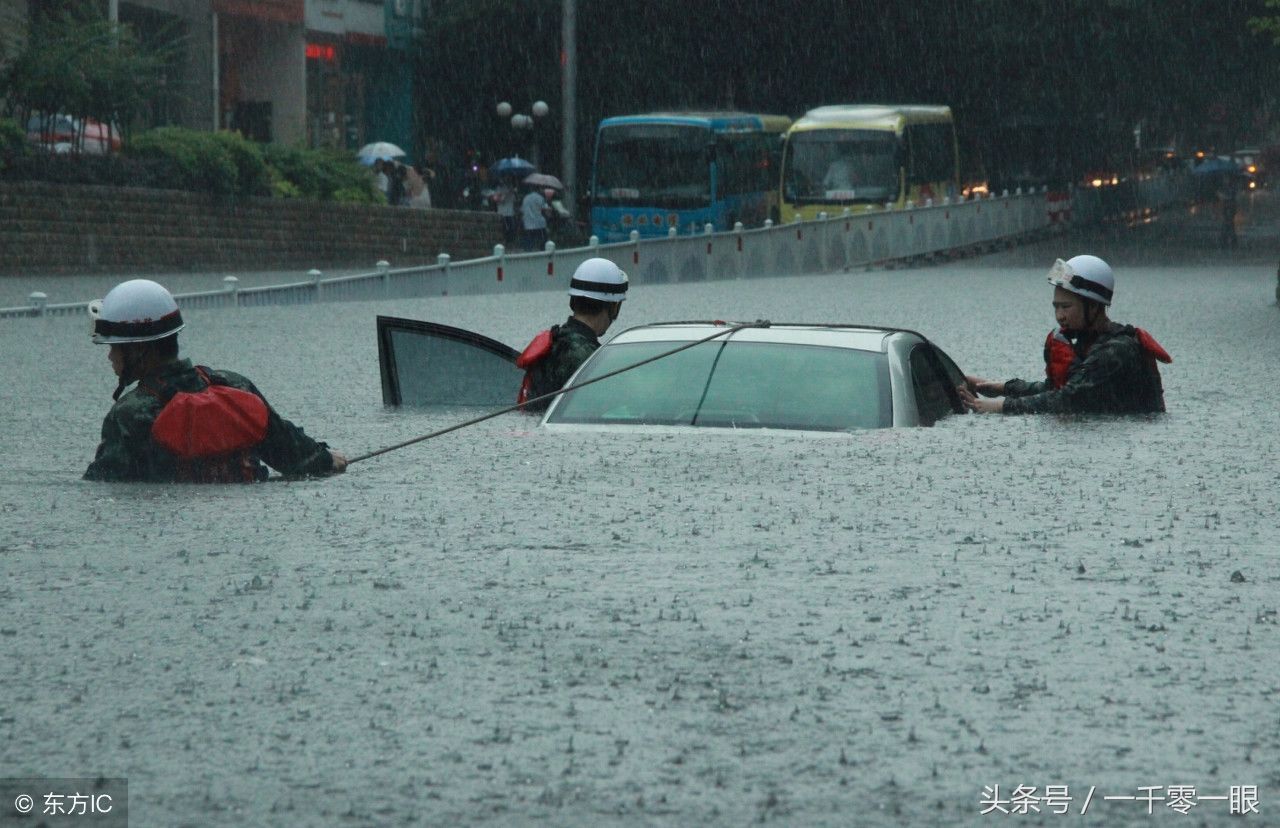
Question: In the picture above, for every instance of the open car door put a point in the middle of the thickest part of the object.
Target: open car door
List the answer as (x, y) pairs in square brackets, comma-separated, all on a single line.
[(425, 363)]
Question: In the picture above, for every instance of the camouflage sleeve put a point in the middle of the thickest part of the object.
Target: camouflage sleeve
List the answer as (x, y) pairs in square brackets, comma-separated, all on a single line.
[(123, 452), (1022, 388), (577, 353), (1091, 388), (286, 448)]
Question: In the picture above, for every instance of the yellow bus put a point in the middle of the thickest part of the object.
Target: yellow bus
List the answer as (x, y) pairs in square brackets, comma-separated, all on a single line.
[(866, 156)]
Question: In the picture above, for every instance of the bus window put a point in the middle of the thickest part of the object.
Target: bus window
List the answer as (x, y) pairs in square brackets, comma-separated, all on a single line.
[(839, 165), (869, 155), (673, 170), (657, 165)]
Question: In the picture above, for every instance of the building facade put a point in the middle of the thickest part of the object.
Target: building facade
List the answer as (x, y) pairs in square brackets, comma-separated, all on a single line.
[(320, 73)]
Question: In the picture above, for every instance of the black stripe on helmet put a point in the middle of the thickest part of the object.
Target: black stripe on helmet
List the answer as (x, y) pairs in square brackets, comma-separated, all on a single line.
[(1082, 283), (166, 323), (598, 287)]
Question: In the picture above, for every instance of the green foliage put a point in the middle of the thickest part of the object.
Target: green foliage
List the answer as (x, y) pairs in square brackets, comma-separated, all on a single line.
[(13, 142), (1268, 24), (200, 160), (227, 164), (78, 63), (223, 163), (281, 188), (252, 177), (321, 175), (358, 195)]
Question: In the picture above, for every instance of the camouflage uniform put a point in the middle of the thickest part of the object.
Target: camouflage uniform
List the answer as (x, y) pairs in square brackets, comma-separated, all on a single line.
[(127, 451), (1112, 374), (571, 344)]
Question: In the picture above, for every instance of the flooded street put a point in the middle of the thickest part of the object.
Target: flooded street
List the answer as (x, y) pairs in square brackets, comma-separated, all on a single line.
[(505, 626)]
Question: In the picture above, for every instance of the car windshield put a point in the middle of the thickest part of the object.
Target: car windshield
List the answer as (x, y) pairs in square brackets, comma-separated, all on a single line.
[(734, 385), (653, 165), (841, 166)]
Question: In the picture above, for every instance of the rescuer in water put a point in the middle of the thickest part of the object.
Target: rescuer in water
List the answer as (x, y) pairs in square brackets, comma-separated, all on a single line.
[(1092, 365), (184, 422), (596, 293)]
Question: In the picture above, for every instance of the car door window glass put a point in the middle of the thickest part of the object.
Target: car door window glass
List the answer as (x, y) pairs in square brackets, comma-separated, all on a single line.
[(423, 363), (933, 398)]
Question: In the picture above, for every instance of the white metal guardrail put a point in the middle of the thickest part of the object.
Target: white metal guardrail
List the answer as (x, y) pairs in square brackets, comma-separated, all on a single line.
[(838, 242)]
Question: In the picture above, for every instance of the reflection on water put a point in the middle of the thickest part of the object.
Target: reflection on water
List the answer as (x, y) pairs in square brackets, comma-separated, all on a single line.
[(503, 623)]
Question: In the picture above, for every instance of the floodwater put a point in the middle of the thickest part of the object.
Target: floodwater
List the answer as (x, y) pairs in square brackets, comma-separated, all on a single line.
[(505, 626)]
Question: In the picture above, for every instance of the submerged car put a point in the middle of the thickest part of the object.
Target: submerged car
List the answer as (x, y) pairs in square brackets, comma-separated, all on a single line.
[(824, 378)]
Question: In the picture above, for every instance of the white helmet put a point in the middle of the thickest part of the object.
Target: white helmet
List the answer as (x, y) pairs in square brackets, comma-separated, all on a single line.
[(1086, 276), (139, 310), (599, 279)]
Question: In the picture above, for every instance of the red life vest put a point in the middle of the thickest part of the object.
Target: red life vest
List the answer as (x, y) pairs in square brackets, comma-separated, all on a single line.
[(536, 351), (211, 433), (1060, 356)]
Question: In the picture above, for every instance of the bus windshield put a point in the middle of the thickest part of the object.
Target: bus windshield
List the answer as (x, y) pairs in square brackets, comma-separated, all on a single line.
[(653, 165), (841, 166)]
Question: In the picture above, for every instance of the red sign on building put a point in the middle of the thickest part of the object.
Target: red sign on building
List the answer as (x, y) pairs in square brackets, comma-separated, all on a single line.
[(267, 11)]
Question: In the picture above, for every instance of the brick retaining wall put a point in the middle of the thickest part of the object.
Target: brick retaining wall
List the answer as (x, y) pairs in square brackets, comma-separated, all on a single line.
[(53, 228)]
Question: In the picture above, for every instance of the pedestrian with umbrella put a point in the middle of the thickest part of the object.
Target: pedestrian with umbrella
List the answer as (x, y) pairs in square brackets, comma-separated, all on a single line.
[(558, 215), (533, 217), (515, 166), (504, 198), (508, 172)]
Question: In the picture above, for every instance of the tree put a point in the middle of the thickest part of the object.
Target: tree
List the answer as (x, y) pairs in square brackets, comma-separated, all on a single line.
[(76, 62)]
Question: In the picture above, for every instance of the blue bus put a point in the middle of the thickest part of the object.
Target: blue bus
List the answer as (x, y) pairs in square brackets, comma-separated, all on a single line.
[(684, 170)]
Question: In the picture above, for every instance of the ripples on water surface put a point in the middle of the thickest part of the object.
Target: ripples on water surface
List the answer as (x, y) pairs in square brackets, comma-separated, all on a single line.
[(507, 625)]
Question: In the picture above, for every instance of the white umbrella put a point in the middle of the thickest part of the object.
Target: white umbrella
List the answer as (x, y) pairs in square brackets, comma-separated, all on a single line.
[(544, 180), (379, 151)]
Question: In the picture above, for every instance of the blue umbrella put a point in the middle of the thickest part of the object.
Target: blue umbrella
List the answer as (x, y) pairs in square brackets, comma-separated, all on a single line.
[(515, 166)]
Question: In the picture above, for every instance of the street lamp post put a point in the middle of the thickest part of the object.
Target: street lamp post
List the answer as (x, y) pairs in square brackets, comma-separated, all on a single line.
[(521, 121)]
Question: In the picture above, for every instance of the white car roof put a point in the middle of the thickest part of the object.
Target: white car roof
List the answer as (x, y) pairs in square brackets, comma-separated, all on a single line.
[(856, 338)]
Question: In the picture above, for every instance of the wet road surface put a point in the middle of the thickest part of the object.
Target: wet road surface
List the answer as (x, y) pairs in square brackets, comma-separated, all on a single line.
[(504, 626)]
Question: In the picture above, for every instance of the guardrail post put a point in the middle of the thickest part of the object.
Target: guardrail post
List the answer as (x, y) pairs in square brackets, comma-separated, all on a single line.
[(820, 237), (671, 232), (384, 267), (443, 261), (550, 249), (315, 275), (737, 232), (768, 223), (500, 253), (231, 285), (38, 302)]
